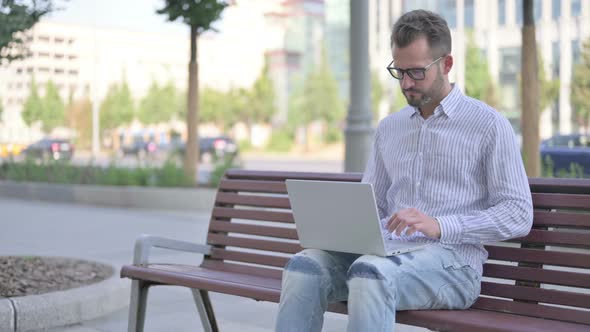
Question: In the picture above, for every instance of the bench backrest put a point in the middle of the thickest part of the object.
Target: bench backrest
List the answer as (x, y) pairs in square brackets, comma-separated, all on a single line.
[(545, 274)]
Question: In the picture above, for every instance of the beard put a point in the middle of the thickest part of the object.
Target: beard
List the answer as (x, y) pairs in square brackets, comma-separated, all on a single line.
[(424, 97)]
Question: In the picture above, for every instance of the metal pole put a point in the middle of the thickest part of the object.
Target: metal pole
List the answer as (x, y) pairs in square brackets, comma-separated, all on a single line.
[(359, 131)]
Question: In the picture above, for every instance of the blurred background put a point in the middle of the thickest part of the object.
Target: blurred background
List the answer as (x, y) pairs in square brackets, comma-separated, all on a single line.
[(105, 82)]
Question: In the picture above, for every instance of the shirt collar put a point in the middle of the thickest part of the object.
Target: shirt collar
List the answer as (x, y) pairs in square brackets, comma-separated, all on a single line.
[(449, 104)]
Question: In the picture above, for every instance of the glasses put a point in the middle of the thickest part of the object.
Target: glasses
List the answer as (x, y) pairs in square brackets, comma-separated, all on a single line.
[(416, 74)]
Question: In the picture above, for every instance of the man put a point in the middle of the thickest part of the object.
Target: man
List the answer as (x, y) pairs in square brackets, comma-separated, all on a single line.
[(447, 171)]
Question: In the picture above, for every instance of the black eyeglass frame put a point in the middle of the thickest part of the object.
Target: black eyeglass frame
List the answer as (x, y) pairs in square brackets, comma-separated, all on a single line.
[(412, 72)]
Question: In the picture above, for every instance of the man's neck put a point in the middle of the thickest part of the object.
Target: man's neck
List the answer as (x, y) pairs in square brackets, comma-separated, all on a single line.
[(427, 110)]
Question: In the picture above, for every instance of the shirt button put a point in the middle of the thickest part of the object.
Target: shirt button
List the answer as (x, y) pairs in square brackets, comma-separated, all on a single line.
[(418, 184)]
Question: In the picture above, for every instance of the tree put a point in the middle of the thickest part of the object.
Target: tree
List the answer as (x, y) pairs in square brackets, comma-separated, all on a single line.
[(478, 81), (33, 106), (1, 109), (530, 93), (53, 108), (15, 18), (160, 104), (317, 98), (549, 89), (216, 107), (262, 98), (580, 94), (117, 107), (198, 15), (79, 118)]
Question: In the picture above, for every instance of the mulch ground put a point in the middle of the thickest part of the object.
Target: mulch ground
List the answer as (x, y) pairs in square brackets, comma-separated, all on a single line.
[(29, 275)]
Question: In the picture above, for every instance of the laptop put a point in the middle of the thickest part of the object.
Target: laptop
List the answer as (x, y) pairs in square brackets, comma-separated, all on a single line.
[(341, 216)]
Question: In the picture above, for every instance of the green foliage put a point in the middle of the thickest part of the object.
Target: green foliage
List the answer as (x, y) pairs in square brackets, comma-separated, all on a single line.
[(317, 98), (79, 118), (377, 93), (280, 141), (261, 107), (1, 109), (549, 89), (217, 107), (160, 104), (580, 94), (53, 114), (399, 101), (220, 166), (33, 107), (478, 81), (49, 110), (117, 108), (169, 175), (15, 18), (199, 14)]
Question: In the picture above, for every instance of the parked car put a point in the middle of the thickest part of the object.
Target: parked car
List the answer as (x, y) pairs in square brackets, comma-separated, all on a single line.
[(139, 147), (50, 149), (561, 151), (211, 148)]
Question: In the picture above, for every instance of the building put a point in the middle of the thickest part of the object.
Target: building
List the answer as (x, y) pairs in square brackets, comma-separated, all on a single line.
[(561, 26)]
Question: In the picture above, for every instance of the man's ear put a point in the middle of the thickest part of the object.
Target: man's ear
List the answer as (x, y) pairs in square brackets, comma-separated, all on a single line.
[(447, 64)]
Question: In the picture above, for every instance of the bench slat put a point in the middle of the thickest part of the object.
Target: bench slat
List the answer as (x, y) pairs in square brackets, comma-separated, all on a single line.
[(536, 294), (533, 310), (253, 186), (246, 257), (278, 232), (274, 246), (226, 212), (282, 175), (252, 200), (554, 185), (568, 259), (554, 237), (563, 219), (241, 268), (563, 278), (560, 201)]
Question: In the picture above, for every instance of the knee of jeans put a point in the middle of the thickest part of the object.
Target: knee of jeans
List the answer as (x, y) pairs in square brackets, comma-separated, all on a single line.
[(307, 261), (365, 268)]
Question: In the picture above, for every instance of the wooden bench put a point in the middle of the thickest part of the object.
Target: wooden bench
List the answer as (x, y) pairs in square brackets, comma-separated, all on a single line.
[(537, 283)]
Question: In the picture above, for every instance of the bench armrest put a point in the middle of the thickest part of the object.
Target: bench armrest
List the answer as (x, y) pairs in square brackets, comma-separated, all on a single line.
[(145, 243)]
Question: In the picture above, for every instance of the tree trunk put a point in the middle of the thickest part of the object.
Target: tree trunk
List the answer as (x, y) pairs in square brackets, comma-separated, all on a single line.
[(530, 93), (192, 114)]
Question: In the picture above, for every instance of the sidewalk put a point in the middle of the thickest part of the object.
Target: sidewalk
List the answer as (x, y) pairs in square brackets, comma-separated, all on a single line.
[(108, 234)]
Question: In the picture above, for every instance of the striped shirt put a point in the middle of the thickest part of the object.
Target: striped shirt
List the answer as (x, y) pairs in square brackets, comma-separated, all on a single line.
[(461, 166)]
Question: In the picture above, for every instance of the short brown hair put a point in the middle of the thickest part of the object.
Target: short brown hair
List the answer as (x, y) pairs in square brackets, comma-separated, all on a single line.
[(422, 23)]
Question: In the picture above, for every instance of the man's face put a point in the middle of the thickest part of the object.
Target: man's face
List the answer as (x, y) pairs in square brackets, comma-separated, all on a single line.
[(417, 55)]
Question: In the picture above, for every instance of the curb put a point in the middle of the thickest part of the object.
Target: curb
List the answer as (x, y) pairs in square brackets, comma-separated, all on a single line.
[(199, 199), (61, 308)]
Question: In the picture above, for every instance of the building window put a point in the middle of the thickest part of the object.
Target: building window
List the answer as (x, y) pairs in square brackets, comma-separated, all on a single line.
[(502, 12), (72, 57), (43, 69), (58, 71), (43, 38), (469, 14), (58, 56), (576, 8), (19, 70), (518, 11), (73, 72), (43, 55), (30, 70), (555, 54), (555, 9), (58, 40), (575, 52), (448, 10), (538, 9)]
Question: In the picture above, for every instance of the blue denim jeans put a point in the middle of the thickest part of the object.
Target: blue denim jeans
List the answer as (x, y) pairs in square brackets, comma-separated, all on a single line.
[(375, 287)]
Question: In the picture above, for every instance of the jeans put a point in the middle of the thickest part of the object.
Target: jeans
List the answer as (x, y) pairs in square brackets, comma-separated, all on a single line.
[(375, 287)]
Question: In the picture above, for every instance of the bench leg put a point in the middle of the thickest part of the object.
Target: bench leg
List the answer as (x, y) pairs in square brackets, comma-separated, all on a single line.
[(139, 293), (205, 310)]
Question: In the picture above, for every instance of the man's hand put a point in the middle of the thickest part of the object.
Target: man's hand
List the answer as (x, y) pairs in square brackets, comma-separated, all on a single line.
[(415, 221)]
